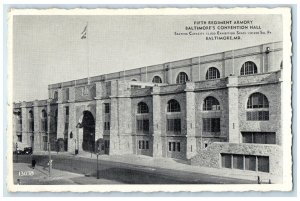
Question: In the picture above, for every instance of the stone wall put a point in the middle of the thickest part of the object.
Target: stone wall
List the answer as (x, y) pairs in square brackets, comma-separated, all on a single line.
[(211, 157)]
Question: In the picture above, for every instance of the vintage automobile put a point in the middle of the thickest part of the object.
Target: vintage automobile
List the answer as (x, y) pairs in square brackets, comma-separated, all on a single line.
[(27, 150)]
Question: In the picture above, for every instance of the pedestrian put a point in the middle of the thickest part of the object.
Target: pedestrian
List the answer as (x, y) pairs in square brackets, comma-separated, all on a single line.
[(18, 182), (33, 162)]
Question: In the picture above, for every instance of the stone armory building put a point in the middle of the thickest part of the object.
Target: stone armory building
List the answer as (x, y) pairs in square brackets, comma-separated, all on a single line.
[(221, 110)]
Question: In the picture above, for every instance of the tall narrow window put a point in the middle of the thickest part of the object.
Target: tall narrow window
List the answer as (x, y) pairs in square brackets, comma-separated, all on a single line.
[(182, 78), (212, 73), (173, 106), (55, 95), (44, 120), (67, 110), (156, 79), (67, 94), (106, 108), (248, 68), (31, 121), (19, 118), (211, 103)]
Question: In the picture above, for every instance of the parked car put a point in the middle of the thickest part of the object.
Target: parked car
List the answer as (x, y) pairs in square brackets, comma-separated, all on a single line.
[(27, 150), (19, 152)]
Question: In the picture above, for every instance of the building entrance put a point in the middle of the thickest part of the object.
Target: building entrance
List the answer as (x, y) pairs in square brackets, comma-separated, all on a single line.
[(88, 125)]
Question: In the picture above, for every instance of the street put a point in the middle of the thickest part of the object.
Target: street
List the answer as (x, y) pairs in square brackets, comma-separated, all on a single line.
[(123, 173)]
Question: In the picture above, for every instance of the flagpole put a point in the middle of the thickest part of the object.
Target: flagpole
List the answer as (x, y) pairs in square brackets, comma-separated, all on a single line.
[(146, 74), (232, 62), (199, 67), (273, 55), (88, 52)]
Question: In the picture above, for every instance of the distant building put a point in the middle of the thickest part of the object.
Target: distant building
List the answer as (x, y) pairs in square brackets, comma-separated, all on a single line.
[(221, 110)]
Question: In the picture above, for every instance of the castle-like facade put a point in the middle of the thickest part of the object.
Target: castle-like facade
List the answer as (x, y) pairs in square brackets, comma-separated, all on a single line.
[(221, 110)]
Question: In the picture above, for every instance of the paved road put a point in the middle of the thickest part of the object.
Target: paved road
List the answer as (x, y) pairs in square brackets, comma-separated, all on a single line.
[(128, 173)]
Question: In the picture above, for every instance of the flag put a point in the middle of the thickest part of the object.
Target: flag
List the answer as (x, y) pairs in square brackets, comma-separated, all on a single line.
[(84, 33)]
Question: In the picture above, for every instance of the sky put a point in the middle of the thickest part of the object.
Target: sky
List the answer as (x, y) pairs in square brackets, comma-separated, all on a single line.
[(48, 49)]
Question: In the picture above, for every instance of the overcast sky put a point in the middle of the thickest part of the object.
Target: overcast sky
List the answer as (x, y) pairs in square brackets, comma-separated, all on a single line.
[(48, 49)]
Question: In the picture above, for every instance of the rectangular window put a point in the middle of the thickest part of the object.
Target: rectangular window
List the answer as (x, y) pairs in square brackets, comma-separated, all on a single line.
[(67, 93), (142, 125), (31, 125), (238, 162), (146, 125), (226, 160), (178, 146), (66, 127), (263, 163), (245, 162), (106, 108), (143, 144), (139, 125), (108, 88), (107, 126), (67, 110), (173, 146), (250, 163), (174, 125), (211, 124), (259, 137), (44, 125), (19, 138), (258, 116)]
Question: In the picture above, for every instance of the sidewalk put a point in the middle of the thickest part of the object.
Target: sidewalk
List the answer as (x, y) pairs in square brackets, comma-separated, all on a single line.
[(25, 175), (175, 164)]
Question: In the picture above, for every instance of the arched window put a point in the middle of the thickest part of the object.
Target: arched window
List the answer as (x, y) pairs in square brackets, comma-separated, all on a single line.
[(212, 73), (182, 78), (19, 119), (30, 121), (156, 79), (258, 107), (248, 68), (134, 80), (142, 108), (30, 114), (173, 106), (257, 100), (211, 103)]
